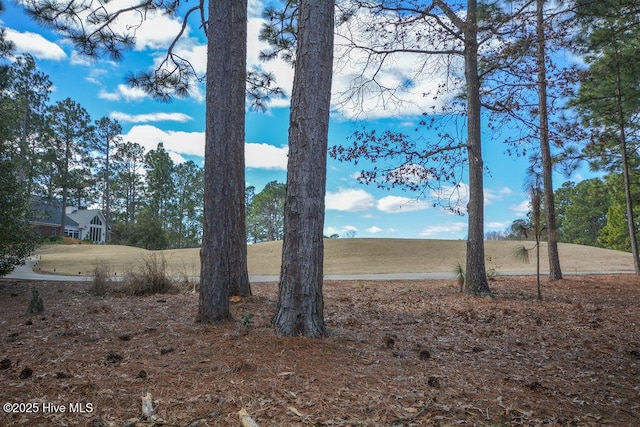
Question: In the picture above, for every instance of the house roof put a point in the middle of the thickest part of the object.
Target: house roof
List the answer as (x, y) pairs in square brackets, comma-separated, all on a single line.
[(49, 212), (84, 216)]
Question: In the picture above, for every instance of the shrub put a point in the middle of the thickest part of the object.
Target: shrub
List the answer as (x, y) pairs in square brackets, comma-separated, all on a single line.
[(150, 278), (53, 240), (101, 280)]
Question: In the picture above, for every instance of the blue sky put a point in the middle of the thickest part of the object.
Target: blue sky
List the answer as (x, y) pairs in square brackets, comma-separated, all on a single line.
[(370, 212)]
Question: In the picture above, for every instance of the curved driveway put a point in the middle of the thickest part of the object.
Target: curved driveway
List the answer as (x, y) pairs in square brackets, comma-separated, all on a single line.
[(25, 272)]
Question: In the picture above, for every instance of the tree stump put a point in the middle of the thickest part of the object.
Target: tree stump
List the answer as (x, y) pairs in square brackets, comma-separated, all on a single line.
[(36, 305)]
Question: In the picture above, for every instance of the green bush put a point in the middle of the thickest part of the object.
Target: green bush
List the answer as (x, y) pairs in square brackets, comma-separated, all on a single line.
[(53, 240)]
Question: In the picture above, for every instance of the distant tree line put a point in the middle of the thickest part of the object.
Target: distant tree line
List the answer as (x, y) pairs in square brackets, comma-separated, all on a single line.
[(590, 212), (60, 154), (57, 153)]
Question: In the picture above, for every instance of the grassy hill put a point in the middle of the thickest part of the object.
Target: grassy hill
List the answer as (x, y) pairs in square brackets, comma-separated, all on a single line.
[(342, 256)]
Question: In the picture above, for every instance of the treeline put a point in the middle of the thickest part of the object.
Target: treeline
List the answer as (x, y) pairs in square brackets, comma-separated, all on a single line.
[(65, 158), (57, 153), (590, 212)]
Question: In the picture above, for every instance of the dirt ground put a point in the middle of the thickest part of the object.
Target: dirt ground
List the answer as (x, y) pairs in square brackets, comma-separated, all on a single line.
[(399, 353)]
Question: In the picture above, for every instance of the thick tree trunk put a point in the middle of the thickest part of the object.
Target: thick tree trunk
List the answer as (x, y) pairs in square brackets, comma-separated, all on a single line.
[(300, 300), (476, 275), (555, 272), (224, 251)]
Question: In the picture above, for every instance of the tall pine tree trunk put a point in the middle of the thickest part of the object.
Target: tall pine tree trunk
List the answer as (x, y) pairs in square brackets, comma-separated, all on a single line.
[(476, 275), (555, 272), (626, 176), (224, 249), (300, 301)]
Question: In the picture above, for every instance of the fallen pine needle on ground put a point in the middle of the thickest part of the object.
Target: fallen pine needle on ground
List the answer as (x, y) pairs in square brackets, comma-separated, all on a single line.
[(398, 353)]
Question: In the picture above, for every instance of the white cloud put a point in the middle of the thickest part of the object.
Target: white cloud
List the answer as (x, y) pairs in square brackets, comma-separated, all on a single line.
[(196, 54), (374, 230), (491, 196), (96, 75), (506, 191), (495, 225), (150, 117), (77, 59), (397, 204), (185, 143), (450, 229), (123, 92), (263, 156), (349, 200), (255, 8), (522, 209), (35, 44), (157, 32)]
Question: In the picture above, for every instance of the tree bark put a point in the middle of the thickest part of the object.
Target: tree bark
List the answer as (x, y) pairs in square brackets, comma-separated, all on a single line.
[(555, 272), (476, 275), (300, 301), (224, 252)]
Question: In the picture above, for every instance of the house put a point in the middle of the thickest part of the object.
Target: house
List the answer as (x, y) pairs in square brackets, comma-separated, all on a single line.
[(82, 224)]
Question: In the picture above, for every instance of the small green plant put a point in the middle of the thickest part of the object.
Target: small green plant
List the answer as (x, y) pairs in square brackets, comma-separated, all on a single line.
[(247, 320), (458, 270)]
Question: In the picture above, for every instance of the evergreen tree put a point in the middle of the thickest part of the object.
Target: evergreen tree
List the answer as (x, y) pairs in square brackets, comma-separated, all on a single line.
[(159, 188), (583, 211), (300, 300), (16, 240), (107, 139), (128, 184), (609, 98), (186, 206), (265, 213), (30, 90), (69, 134)]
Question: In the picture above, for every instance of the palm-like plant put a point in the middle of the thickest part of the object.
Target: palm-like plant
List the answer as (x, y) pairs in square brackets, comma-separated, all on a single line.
[(533, 186)]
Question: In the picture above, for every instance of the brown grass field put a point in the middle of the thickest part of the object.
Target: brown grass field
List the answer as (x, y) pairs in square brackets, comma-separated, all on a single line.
[(398, 353), (342, 256)]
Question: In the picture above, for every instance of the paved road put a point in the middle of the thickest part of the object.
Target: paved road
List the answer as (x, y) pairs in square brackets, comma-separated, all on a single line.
[(25, 272)]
